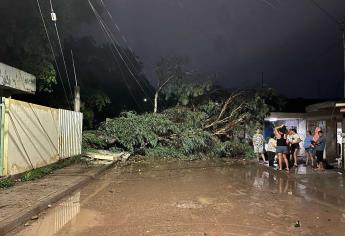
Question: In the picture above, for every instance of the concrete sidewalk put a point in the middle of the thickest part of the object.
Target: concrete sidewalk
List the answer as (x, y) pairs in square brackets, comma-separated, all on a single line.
[(25, 200)]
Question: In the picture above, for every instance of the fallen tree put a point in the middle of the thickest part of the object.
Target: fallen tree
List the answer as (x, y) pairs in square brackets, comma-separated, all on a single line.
[(211, 129)]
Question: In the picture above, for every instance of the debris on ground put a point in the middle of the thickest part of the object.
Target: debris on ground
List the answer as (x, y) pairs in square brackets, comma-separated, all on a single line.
[(106, 157), (34, 217), (297, 224)]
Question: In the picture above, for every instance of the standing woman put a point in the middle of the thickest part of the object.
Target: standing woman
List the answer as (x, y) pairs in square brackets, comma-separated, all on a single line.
[(258, 144), (282, 147)]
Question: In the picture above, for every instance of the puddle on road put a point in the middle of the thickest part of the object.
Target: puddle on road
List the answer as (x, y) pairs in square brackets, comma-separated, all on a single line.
[(210, 195), (66, 213)]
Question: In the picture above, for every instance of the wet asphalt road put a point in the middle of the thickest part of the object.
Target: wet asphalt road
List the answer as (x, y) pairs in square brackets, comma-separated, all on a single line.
[(199, 198)]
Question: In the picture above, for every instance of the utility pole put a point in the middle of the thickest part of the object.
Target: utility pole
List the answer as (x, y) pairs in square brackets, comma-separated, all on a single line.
[(76, 88)]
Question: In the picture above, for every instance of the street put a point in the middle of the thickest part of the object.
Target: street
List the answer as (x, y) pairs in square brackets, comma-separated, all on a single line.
[(199, 198)]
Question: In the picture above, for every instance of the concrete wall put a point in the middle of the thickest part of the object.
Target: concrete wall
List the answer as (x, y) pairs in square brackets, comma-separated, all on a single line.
[(15, 79)]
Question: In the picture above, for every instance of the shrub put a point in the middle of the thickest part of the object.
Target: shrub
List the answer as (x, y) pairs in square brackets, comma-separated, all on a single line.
[(6, 183)]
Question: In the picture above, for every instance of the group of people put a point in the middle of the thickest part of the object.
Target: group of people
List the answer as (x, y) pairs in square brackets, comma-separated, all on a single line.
[(284, 144)]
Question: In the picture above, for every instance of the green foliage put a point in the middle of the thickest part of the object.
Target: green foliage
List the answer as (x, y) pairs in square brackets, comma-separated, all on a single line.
[(43, 171), (235, 149), (211, 108), (23, 40), (6, 183), (95, 102), (133, 132), (177, 132), (186, 117), (36, 174), (196, 141), (178, 84), (94, 140), (166, 152), (186, 90)]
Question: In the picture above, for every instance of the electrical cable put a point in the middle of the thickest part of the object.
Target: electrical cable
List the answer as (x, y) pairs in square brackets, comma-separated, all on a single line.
[(117, 28), (63, 57), (53, 53), (329, 15), (121, 71), (106, 30)]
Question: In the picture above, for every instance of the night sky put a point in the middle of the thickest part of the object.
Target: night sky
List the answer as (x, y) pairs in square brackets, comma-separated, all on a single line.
[(295, 44)]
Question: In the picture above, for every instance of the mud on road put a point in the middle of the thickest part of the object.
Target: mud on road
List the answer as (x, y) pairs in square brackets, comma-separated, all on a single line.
[(199, 198)]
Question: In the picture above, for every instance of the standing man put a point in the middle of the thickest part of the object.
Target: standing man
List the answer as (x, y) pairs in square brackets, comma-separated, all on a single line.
[(258, 144), (319, 149)]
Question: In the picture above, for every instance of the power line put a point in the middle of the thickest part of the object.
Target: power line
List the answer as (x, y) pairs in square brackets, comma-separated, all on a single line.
[(108, 34), (117, 28), (326, 13), (60, 46), (52, 51)]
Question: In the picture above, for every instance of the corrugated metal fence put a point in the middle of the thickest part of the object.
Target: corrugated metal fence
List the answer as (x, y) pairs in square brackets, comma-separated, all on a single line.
[(70, 133), (34, 136)]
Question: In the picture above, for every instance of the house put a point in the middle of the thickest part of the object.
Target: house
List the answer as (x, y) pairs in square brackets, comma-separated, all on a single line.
[(325, 115)]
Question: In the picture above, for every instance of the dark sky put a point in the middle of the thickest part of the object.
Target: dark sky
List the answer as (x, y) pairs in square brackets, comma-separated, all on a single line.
[(295, 44)]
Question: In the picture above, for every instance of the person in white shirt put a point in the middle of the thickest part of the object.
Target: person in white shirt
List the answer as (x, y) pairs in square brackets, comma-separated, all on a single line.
[(294, 139), (271, 149), (258, 144)]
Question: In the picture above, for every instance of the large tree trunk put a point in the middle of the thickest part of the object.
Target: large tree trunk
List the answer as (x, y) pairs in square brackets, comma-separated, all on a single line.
[(155, 108)]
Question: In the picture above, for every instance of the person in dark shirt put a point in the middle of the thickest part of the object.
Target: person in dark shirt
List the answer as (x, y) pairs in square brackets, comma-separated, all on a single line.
[(282, 148)]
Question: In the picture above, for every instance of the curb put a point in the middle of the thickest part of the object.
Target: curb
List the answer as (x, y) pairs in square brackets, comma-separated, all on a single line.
[(22, 217)]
